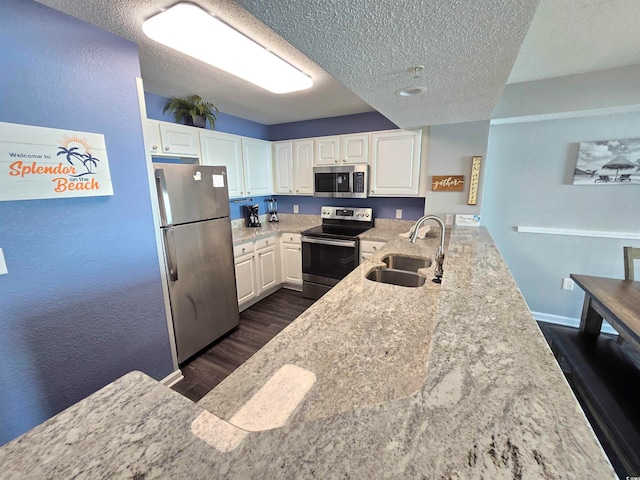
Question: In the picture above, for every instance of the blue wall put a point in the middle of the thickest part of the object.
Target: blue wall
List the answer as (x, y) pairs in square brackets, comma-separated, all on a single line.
[(82, 303), (412, 208), (225, 123), (238, 212), (356, 123)]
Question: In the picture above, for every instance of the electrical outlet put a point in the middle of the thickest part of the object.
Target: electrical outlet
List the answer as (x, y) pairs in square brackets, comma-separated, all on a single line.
[(398, 213), (567, 284), (296, 209), (3, 265), (448, 220)]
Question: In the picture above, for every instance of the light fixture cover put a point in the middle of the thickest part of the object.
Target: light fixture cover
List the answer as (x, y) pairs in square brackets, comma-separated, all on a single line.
[(191, 30)]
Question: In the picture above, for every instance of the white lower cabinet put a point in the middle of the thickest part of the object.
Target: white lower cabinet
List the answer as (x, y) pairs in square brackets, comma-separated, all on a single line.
[(268, 264), (246, 282), (258, 270), (369, 247), (246, 278), (291, 249)]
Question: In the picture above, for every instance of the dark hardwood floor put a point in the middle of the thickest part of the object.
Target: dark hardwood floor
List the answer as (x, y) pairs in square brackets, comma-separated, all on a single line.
[(258, 324)]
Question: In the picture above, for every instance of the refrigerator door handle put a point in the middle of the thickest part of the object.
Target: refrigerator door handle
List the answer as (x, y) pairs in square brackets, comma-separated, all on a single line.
[(163, 198), (169, 248)]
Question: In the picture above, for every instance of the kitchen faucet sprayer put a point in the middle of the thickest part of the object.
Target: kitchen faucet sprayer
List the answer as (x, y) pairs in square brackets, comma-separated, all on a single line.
[(440, 252)]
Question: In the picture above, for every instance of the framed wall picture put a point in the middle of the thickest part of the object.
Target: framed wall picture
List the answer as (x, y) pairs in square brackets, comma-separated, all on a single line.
[(608, 162)]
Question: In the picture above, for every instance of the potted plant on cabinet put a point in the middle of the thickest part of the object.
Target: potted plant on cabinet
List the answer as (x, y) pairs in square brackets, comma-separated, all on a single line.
[(193, 111)]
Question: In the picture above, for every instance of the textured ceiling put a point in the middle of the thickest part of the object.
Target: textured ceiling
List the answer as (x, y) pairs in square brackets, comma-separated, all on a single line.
[(467, 49), (579, 36), (169, 73), (359, 52)]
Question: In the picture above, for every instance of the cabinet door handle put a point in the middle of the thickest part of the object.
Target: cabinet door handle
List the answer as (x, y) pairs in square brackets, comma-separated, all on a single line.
[(243, 249), (155, 147), (166, 148), (335, 161), (375, 248), (248, 193), (344, 160), (289, 190)]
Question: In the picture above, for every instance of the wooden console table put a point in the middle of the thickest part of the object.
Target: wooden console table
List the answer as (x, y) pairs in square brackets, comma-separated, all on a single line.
[(616, 301)]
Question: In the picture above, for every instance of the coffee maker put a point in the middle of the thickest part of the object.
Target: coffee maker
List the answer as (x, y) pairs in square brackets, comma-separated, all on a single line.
[(272, 208), (252, 216)]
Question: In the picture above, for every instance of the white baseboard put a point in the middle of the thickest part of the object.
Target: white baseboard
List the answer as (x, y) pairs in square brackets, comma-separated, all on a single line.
[(568, 321), (171, 379)]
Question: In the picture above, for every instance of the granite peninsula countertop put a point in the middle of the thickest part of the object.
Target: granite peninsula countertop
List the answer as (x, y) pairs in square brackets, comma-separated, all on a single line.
[(489, 401)]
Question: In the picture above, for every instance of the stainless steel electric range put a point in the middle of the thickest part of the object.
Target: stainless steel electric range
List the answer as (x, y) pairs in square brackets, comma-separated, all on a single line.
[(331, 251)]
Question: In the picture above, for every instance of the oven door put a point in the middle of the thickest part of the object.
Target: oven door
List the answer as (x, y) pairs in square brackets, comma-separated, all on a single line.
[(326, 261)]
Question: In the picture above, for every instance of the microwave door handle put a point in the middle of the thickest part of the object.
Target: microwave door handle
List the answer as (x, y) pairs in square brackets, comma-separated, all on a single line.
[(163, 198)]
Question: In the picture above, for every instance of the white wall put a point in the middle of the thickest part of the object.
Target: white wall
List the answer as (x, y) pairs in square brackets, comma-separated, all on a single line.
[(528, 183), (450, 150), (607, 91)]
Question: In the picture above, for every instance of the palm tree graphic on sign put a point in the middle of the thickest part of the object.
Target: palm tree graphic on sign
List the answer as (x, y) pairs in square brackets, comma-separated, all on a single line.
[(78, 150)]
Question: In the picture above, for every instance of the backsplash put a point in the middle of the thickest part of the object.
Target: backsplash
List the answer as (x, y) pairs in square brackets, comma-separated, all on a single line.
[(383, 207)]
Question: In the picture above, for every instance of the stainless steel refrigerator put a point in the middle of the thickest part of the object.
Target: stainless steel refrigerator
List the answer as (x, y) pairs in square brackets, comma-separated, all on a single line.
[(196, 230)]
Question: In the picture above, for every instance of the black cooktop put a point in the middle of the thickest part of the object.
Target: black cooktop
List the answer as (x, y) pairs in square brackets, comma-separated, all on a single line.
[(335, 231)]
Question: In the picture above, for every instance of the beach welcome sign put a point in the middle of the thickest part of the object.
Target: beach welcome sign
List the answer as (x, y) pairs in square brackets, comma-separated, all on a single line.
[(37, 162)]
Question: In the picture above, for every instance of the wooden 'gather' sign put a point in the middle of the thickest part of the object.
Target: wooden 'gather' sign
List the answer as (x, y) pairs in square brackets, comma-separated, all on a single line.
[(447, 183)]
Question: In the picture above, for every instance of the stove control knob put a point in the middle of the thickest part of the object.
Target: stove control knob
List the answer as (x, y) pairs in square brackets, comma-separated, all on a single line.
[(367, 215)]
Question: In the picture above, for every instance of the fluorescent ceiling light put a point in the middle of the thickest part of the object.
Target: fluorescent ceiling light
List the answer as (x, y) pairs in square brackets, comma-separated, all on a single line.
[(189, 29)]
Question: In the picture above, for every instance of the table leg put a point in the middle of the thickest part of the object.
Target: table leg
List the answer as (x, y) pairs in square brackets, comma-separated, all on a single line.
[(591, 321)]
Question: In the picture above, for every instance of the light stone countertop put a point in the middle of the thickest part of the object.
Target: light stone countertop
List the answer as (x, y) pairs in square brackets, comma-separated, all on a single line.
[(384, 229), (288, 223), (490, 401)]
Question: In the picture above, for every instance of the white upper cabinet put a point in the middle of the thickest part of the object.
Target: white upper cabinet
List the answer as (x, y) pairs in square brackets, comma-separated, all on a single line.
[(172, 139), (293, 164), (152, 137), (395, 163), (256, 157), (224, 149), (248, 162), (354, 148), (303, 167), (342, 149), (327, 151), (283, 165)]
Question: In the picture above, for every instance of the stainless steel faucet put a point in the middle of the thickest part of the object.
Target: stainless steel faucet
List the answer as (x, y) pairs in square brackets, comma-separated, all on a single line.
[(440, 253)]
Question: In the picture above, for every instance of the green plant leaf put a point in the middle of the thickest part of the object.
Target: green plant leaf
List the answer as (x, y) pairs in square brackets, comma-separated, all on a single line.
[(192, 105)]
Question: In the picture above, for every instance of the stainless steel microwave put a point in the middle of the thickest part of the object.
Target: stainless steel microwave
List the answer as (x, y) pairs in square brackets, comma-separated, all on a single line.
[(341, 181)]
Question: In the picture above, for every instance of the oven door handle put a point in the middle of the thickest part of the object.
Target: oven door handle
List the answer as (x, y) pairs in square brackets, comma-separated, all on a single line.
[(333, 242)]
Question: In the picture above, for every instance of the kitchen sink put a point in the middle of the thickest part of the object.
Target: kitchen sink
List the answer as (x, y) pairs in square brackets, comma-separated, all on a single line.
[(408, 264), (393, 276)]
